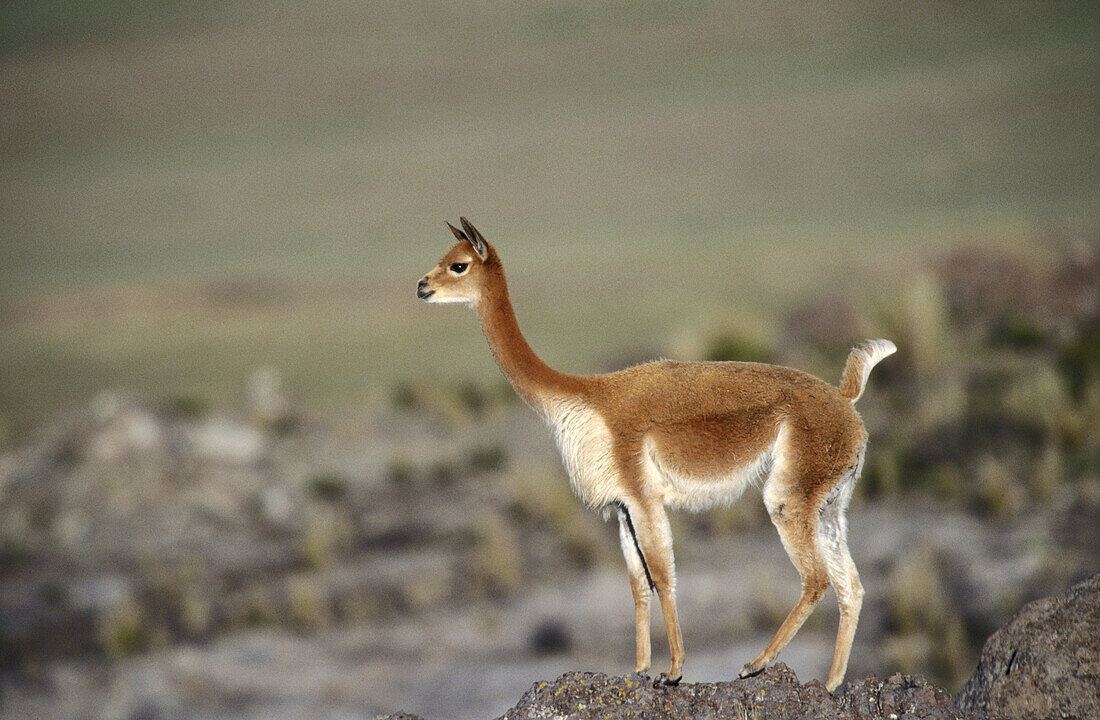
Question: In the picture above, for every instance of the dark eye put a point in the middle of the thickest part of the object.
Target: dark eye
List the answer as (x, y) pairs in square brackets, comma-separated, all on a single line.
[(459, 268)]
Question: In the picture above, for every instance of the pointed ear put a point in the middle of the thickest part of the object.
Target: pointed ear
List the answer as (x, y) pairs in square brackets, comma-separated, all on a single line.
[(457, 233), (475, 238)]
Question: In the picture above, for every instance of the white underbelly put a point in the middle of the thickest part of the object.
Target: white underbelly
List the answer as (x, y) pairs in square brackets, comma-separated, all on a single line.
[(697, 492)]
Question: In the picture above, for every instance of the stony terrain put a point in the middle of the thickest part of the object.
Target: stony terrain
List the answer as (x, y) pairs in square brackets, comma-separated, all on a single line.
[(1043, 664), (166, 561)]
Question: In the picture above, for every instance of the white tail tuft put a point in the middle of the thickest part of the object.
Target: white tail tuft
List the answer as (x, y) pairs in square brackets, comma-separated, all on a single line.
[(860, 361)]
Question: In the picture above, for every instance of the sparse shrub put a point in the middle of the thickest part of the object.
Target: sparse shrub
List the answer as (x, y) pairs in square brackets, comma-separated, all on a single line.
[(503, 392), (1018, 332), (203, 512), (472, 399), (728, 346), (404, 396), (526, 498), (53, 592), (927, 629), (1079, 363), (773, 594), (122, 630), (546, 501), (43, 513), (186, 407), (625, 357), (307, 603), (1047, 472), (936, 469), (428, 589), (907, 653), (997, 494), (921, 331), (282, 425), (442, 473), (496, 562), (952, 657), (944, 402), (328, 486), (195, 613), (744, 514), (259, 610), (400, 472), (916, 596), (1037, 398), (9, 658), (325, 535), (583, 542), (882, 475), (159, 596), (487, 458), (253, 505), (356, 609), (13, 553)]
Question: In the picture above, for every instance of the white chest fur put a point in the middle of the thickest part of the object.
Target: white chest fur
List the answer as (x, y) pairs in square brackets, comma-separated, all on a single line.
[(587, 451)]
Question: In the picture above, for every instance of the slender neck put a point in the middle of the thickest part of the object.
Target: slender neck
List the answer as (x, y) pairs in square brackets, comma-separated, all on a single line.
[(534, 380)]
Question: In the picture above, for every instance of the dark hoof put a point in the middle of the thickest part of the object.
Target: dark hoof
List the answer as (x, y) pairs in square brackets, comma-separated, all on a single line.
[(664, 679)]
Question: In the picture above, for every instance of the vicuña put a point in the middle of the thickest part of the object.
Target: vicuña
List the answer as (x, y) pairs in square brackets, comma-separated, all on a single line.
[(690, 435)]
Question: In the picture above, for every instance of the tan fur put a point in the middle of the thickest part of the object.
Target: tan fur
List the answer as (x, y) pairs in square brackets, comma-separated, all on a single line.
[(689, 435)]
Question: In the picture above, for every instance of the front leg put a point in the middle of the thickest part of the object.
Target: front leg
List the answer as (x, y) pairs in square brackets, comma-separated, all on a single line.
[(640, 586), (651, 542)]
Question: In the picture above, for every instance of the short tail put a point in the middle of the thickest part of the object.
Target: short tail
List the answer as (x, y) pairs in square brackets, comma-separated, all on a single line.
[(860, 361)]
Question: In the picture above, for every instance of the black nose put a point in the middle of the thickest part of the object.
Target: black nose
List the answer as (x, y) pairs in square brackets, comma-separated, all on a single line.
[(422, 290)]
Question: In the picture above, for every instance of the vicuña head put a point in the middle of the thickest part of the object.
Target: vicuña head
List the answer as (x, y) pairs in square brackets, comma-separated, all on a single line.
[(462, 273), (689, 435)]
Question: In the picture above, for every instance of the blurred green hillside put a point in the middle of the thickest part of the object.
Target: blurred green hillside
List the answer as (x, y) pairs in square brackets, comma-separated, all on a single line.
[(191, 190)]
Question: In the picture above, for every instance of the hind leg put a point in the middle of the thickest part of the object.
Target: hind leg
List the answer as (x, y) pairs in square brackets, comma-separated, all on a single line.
[(795, 517), (792, 504), (832, 538)]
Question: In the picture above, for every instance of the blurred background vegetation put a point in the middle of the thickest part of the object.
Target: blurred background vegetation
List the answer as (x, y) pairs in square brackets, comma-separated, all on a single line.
[(193, 189), (203, 199)]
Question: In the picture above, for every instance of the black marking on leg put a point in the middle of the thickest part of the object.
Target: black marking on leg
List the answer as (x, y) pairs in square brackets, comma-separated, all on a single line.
[(637, 546)]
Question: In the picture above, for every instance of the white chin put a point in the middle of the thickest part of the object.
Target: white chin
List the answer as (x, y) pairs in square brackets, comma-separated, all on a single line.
[(437, 300)]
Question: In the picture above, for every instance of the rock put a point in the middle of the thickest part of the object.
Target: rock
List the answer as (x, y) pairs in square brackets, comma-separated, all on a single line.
[(1045, 662), (901, 696), (225, 440), (775, 693)]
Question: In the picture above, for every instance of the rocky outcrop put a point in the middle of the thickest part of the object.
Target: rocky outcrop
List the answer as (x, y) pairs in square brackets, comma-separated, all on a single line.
[(1045, 662), (775, 693)]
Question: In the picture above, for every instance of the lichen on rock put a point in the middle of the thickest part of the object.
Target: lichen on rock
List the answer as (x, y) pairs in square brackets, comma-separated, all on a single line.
[(775, 693)]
